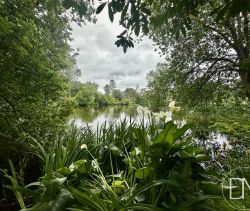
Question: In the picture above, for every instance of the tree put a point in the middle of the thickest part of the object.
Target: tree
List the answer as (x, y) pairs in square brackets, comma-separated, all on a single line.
[(130, 93), (117, 94), (36, 66), (86, 94), (136, 15), (112, 85), (212, 50), (226, 21), (108, 88), (158, 88)]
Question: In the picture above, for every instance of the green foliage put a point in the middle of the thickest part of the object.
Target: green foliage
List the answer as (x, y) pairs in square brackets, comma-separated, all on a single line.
[(116, 170), (135, 16), (86, 94), (36, 66), (198, 55)]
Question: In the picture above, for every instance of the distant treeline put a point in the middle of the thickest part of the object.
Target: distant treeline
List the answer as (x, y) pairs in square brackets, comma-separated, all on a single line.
[(86, 94)]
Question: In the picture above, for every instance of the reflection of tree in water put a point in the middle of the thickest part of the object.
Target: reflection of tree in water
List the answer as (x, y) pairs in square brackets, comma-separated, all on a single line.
[(127, 112), (117, 110), (105, 111), (88, 114), (130, 111)]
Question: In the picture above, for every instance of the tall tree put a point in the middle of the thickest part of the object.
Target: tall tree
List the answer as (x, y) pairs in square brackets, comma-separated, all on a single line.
[(112, 85), (36, 62), (212, 50), (108, 88)]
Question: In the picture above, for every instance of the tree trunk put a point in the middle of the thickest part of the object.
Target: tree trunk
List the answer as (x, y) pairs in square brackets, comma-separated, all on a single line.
[(245, 78)]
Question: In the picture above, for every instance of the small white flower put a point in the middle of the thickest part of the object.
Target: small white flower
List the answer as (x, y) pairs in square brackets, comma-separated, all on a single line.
[(146, 111), (137, 151), (84, 146), (173, 108), (244, 102), (72, 167), (143, 111), (139, 109), (171, 104), (161, 115), (156, 116)]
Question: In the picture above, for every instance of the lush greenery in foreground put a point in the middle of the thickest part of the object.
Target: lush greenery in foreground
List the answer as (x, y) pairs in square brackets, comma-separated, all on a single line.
[(122, 167), (153, 165)]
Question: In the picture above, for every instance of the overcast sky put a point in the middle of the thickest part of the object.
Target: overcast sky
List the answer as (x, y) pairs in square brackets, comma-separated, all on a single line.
[(100, 60)]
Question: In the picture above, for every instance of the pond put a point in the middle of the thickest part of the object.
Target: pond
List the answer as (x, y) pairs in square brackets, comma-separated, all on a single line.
[(95, 117)]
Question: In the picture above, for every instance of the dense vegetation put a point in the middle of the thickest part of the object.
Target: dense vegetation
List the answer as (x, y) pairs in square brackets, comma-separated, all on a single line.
[(153, 164), (37, 65), (86, 94)]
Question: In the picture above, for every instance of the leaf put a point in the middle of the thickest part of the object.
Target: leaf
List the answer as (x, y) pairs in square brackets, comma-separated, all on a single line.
[(92, 201), (148, 186), (181, 132), (34, 184), (167, 135), (172, 197), (64, 171), (125, 49), (140, 206), (110, 11), (124, 32), (202, 157), (130, 44), (187, 205), (100, 7), (115, 150), (118, 184), (211, 188), (143, 173), (137, 29), (124, 12)]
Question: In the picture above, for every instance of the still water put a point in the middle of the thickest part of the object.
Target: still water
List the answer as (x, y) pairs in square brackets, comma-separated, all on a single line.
[(95, 117)]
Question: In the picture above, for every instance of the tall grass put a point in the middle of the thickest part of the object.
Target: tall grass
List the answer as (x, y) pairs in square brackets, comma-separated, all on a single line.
[(125, 166)]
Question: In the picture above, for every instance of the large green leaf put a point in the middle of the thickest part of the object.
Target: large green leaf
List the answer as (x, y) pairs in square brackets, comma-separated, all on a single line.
[(143, 173), (100, 7)]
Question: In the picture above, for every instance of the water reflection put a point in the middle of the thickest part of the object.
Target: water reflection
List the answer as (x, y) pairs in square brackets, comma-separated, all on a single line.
[(98, 116)]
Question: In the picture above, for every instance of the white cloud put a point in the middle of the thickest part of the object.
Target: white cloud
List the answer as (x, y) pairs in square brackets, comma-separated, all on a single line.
[(100, 60)]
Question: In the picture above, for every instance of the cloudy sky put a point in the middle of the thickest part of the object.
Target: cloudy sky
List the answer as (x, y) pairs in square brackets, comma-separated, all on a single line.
[(100, 60)]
